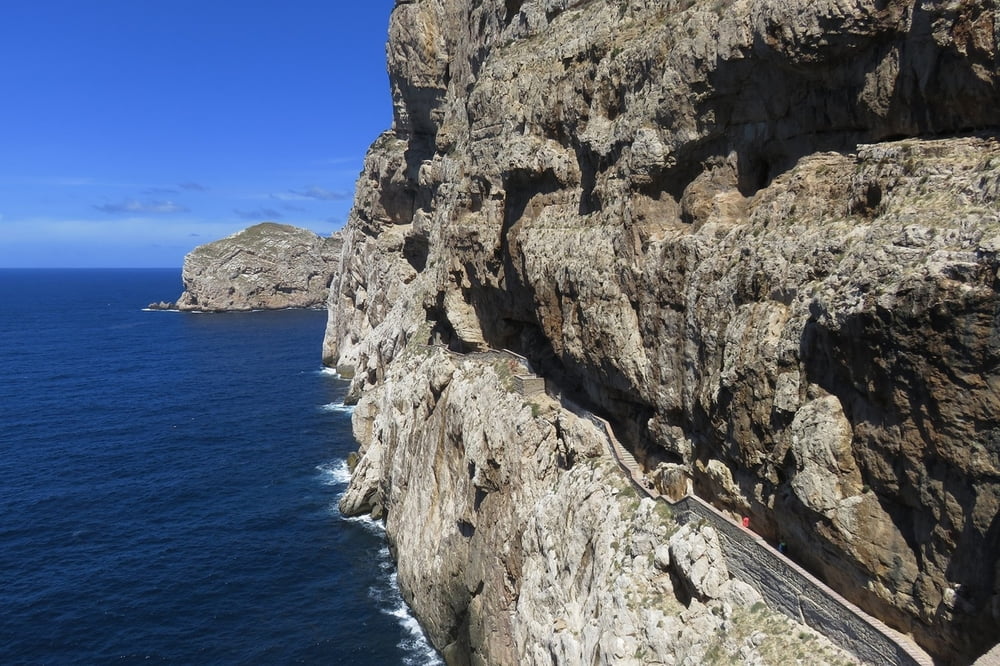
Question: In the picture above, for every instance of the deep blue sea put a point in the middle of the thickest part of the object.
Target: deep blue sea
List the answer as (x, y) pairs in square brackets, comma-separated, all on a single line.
[(169, 486)]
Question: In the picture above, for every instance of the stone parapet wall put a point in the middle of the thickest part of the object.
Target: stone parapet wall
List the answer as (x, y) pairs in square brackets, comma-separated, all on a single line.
[(529, 385), (793, 591), (787, 587)]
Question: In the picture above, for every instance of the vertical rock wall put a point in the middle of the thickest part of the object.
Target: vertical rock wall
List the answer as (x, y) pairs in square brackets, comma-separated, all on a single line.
[(759, 237)]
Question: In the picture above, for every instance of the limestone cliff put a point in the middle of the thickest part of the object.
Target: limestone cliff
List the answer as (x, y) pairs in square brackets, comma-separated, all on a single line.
[(265, 267), (759, 237), (519, 541)]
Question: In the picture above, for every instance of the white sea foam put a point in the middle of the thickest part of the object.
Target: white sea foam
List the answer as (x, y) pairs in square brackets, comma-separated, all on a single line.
[(376, 527), (337, 408), (415, 644), (330, 372), (335, 473), (418, 650)]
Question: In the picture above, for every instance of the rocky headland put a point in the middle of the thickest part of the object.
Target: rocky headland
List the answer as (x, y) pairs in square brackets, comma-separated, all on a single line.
[(267, 266), (761, 239)]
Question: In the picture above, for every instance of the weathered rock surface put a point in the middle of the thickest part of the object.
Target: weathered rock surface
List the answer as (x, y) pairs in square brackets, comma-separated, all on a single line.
[(698, 558), (760, 237), (265, 267), (519, 542)]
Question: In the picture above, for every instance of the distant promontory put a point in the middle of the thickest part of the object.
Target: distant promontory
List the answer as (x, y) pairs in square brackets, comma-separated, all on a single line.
[(268, 266)]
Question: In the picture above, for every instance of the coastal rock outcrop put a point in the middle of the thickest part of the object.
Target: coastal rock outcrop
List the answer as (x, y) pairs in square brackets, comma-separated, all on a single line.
[(760, 238), (265, 267), (520, 542)]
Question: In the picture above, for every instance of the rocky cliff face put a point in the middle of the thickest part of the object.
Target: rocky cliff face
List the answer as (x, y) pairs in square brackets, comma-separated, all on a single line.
[(520, 542), (266, 267), (759, 237)]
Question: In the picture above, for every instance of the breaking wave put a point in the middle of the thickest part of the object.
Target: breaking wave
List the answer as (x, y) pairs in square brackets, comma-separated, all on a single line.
[(337, 408)]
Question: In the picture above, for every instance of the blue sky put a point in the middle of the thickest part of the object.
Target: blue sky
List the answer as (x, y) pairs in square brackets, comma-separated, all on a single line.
[(133, 130)]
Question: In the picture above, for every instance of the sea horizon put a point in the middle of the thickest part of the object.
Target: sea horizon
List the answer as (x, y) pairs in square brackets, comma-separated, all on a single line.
[(170, 484)]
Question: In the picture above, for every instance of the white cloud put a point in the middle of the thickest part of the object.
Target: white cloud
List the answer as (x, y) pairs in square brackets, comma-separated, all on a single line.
[(112, 241), (337, 161), (68, 182), (134, 206), (323, 194), (259, 214)]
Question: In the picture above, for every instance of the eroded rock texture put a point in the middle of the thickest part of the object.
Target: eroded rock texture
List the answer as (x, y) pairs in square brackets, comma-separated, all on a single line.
[(519, 541), (266, 267), (760, 237)]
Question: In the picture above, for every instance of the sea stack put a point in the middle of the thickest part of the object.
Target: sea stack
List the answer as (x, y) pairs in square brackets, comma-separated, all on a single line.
[(265, 267)]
